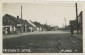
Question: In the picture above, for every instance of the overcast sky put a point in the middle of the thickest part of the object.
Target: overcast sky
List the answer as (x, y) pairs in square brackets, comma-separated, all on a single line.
[(54, 13)]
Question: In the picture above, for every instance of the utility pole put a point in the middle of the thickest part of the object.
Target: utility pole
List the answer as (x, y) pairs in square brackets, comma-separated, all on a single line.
[(65, 23), (63, 26), (21, 18), (77, 18), (46, 21)]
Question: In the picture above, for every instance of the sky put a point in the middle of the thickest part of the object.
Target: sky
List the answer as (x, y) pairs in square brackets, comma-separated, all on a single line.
[(52, 13)]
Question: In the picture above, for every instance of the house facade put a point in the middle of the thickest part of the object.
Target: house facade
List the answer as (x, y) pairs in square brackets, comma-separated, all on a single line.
[(37, 26)]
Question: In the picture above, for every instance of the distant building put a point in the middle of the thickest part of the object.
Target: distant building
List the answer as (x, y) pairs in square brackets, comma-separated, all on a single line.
[(74, 22), (33, 27), (36, 26), (55, 28)]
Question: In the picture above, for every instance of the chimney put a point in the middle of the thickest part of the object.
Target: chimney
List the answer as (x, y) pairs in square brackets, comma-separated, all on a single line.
[(17, 16)]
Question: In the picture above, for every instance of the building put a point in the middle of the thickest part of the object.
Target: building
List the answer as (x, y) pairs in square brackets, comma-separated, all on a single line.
[(32, 27), (55, 28), (74, 23), (13, 25), (36, 26), (8, 25)]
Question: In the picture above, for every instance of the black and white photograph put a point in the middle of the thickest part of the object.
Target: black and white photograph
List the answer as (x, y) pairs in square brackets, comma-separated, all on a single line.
[(42, 27)]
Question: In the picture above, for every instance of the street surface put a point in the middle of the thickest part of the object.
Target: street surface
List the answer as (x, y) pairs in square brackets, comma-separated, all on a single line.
[(45, 42)]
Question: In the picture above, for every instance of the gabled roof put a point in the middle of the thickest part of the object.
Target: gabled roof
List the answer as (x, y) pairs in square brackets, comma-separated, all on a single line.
[(7, 20), (32, 23), (11, 20), (37, 24), (27, 23), (9, 17)]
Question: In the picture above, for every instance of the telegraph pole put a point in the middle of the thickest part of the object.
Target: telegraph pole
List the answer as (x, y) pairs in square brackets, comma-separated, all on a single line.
[(21, 12), (65, 23), (77, 18), (46, 21), (21, 18)]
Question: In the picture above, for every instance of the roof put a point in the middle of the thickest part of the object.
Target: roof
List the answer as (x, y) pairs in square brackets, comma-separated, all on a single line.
[(7, 20), (26, 22), (37, 24), (11, 20), (32, 23)]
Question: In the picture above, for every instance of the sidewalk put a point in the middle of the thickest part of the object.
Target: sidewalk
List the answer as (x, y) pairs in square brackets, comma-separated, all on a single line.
[(11, 36), (32, 33), (15, 35)]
